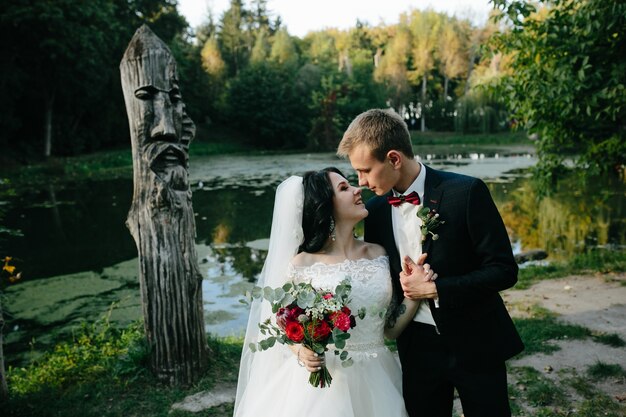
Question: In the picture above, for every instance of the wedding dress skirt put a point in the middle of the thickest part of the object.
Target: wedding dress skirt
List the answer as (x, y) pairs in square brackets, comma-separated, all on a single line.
[(371, 387)]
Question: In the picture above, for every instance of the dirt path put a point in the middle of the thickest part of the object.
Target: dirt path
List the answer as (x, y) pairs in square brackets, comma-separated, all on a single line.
[(597, 302)]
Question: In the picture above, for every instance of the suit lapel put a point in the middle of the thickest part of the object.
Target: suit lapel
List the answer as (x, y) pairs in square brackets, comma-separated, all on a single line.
[(389, 238), (432, 199)]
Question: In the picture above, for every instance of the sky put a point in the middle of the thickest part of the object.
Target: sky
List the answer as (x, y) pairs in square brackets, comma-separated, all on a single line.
[(303, 16)]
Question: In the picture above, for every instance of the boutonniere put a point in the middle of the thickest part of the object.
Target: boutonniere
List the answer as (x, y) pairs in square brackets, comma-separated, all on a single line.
[(430, 221)]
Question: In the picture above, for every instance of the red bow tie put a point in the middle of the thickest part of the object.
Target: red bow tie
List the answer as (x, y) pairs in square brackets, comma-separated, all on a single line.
[(412, 198)]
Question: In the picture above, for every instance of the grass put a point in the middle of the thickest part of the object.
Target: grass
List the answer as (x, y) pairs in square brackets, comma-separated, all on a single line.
[(601, 371), (542, 328), (594, 402), (83, 380), (536, 395), (609, 339), (602, 261), (535, 389)]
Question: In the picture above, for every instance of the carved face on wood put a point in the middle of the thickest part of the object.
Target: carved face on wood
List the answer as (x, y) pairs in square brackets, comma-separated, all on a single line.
[(159, 127)]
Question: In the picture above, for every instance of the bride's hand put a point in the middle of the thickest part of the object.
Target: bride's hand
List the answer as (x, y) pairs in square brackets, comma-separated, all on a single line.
[(309, 359)]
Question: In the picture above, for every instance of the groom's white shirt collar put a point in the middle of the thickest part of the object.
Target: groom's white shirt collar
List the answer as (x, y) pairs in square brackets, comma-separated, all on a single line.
[(418, 185)]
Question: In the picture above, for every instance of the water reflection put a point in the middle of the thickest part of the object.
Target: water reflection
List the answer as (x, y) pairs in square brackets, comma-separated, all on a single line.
[(70, 228), (575, 217)]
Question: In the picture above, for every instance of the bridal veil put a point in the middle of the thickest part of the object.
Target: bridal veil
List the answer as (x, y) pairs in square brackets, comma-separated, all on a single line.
[(285, 237)]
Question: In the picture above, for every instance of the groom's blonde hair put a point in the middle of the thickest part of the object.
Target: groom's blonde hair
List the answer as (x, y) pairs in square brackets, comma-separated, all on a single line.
[(381, 130)]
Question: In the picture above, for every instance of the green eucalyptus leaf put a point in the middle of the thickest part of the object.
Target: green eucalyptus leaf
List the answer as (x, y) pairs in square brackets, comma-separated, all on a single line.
[(268, 294), (257, 292), (287, 300)]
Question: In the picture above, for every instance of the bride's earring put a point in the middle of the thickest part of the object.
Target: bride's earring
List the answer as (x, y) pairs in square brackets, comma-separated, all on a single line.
[(333, 237)]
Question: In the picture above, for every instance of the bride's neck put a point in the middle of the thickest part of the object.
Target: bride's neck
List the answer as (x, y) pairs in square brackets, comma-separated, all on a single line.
[(344, 244)]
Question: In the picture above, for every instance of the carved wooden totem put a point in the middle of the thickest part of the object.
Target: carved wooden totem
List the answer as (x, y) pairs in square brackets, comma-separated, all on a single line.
[(161, 218)]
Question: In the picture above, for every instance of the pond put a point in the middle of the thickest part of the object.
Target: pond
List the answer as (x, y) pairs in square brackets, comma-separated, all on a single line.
[(80, 262)]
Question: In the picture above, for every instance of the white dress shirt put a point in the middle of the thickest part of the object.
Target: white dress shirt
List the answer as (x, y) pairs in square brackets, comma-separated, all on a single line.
[(407, 235)]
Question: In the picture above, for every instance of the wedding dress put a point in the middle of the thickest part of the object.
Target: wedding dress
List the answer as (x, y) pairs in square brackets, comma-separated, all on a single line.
[(371, 387)]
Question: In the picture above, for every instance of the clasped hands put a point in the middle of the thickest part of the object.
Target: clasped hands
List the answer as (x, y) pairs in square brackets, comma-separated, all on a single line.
[(417, 279)]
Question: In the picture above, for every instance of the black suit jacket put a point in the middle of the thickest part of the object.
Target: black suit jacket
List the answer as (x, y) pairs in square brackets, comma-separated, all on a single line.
[(473, 260)]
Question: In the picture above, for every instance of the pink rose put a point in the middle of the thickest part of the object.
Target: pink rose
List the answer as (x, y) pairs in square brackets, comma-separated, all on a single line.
[(342, 322)]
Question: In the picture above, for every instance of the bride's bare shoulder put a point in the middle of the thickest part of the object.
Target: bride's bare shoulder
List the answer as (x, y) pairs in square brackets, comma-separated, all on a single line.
[(303, 259), (373, 250)]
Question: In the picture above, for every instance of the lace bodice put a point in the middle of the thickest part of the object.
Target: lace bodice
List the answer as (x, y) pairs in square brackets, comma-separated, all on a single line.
[(371, 288)]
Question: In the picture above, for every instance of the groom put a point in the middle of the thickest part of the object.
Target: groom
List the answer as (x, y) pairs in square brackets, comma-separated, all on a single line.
[(462, 333)]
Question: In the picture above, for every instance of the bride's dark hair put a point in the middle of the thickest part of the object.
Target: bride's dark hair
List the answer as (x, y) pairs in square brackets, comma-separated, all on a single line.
[(318, 208)]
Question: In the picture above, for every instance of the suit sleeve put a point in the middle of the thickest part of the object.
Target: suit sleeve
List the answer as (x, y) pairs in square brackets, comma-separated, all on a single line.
[(494, 269)]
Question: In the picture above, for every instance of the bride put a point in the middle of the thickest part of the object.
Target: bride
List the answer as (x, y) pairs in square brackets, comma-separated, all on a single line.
[(312, 241)]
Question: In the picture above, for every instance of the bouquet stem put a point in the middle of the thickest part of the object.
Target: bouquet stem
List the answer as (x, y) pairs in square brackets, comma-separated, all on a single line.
[(321, 378)]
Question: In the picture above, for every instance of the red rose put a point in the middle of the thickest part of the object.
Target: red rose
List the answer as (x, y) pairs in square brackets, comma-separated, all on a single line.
[(327, 296), (319, 331), (342, 321), (346, 310), (293, 313), (294, 331)]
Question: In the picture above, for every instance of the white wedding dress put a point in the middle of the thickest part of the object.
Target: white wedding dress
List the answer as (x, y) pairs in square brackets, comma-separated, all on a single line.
[(371, 387)]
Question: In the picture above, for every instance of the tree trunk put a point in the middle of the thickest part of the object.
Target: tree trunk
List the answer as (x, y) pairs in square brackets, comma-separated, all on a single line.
[(161, 218), (423, 118), (47, 151), (470, 69), (379, 54), (446, 80), (4, 388)]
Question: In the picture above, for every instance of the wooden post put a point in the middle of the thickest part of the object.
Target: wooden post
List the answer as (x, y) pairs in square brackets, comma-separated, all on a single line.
[(161, 217)]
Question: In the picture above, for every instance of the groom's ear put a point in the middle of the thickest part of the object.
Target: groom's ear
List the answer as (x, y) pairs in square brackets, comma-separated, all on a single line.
[(394, 158)]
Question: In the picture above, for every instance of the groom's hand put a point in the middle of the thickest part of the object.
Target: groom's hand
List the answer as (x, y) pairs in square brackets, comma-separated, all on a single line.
[(417, 279)]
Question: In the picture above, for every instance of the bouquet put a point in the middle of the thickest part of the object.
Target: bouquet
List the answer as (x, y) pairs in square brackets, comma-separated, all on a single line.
[(311, 317)]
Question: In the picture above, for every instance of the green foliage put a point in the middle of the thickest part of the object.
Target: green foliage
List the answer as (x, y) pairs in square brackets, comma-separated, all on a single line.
[(65, 54), (139, 392), (264, 102), (567, 79), (96, 351), (224, 72), (338, 99)]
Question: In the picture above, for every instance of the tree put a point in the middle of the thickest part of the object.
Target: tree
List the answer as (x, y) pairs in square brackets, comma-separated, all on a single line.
[(320, 49), (568, 77), (261, 49), (263, 101), (453, 51), (62, 48), (59, 79), (425, 28), (211, 56), (392, 69), (233, 39), (283, 49)]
